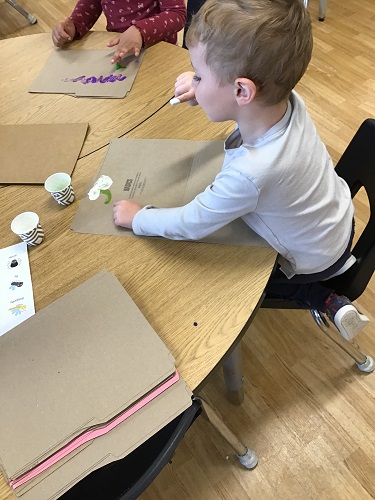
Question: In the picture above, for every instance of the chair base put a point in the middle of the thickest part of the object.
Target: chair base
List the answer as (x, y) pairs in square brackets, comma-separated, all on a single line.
[(368, 366), (29, 17), (245, 455), (364, 362), (249, 460)]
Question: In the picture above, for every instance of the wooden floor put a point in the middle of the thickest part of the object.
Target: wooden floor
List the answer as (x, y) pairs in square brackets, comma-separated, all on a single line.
[(308, 412)]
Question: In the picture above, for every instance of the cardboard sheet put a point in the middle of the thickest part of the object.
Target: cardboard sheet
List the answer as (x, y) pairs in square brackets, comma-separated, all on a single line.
[(113, 446), (86, 73), (72, 365), (160, 172), (31, 153)]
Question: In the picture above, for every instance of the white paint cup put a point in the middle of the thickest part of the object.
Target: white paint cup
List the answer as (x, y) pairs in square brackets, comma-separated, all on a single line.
[(60, 187), (28, 228)]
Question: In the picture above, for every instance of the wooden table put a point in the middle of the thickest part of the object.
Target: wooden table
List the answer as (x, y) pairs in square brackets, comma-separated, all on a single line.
[(23, 58), (175, 284)]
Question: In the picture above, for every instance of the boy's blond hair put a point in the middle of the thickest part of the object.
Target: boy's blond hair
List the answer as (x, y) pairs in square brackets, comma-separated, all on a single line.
[(267, 41)]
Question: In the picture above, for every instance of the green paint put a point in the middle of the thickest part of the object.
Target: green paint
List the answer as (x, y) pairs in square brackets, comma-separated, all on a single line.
[(118, 66), (108, 193)]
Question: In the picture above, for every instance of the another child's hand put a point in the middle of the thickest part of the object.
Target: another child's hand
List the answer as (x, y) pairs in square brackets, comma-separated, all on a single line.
[(63, 32), (124, 212), (129, 41), (184, 89)]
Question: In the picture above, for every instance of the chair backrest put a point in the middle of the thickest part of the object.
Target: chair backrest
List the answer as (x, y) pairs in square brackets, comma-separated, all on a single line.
[(357, 167)]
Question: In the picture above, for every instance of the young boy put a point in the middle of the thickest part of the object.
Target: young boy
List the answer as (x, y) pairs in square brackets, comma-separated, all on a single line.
[(277, 175), (140, 23)]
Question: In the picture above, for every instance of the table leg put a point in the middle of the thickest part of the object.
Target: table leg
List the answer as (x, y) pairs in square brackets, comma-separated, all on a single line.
[(322, 9), (233, 376)]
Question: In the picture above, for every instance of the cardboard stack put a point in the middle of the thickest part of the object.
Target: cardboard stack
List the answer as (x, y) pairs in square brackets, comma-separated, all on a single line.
[(83, 382)]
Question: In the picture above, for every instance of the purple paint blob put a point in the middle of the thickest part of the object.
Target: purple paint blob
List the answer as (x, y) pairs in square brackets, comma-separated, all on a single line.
[(96, 79)]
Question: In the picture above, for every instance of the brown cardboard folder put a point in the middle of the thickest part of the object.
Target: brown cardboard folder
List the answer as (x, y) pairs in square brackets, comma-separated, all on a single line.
[(87, 73), (31, 153), (163, 173), (73, 365)]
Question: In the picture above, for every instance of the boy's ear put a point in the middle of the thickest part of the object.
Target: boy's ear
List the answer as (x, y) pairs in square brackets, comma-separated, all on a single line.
[(245, 91)]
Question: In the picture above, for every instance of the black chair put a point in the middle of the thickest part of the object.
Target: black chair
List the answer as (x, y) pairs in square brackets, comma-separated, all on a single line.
[(127, 478), (357, 167)]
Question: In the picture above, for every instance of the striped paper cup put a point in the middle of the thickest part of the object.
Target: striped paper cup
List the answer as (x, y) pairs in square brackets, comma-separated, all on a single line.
[(60, 187), (28, 228)]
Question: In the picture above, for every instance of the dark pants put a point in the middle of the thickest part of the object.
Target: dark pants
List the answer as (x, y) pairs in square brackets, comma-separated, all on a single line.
[(306, 290)]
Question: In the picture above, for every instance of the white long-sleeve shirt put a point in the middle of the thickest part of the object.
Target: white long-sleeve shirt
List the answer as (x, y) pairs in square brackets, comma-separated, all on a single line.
[(284, 187)]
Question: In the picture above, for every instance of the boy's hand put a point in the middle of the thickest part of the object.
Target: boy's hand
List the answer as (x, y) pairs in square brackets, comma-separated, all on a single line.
[(124, 212), (184, 89), (63, 32), (129, 41)]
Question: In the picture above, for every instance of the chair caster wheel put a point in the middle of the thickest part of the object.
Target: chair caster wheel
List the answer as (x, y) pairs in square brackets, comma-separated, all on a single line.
[(249, 460), (32, 19), (368, 366)]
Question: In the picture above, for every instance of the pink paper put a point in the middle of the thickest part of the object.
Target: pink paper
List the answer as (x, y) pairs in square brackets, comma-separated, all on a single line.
[(91, 434)]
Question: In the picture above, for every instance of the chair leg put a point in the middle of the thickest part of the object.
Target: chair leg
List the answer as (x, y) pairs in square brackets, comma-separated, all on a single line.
[(29, 17), (245, 455), (365, 363), (233, 376)]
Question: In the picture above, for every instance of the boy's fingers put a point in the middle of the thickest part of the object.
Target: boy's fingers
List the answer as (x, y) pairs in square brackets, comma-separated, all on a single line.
[(184, 76), (185, 96)]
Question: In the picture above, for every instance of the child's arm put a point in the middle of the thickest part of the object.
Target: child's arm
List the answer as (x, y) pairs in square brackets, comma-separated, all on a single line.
[(150, 30), (64, 32), (229, 197), (85, 15), (158, 27)]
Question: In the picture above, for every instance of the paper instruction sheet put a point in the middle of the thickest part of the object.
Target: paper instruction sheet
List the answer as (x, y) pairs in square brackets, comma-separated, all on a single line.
[(16, 291)]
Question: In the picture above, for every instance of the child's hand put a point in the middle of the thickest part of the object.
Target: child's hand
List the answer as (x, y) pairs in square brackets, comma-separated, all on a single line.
[(63, 32), (124, 212), (184, 89), (129, 41)]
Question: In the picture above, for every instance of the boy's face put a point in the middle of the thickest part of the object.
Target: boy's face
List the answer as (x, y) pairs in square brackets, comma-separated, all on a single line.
[(217, 101)]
